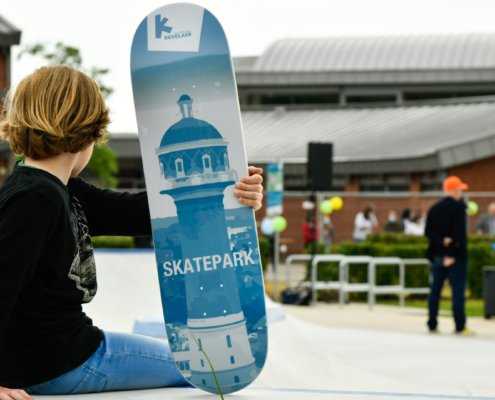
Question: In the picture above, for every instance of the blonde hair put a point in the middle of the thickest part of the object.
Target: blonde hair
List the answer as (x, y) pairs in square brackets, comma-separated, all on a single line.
[(54, 110)]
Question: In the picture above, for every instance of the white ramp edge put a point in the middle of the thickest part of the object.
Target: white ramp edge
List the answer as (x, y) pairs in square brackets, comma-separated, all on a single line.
[(258, 393), (155, 325)]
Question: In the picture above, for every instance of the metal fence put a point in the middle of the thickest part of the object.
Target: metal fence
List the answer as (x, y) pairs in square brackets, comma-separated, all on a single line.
[(344, 286)]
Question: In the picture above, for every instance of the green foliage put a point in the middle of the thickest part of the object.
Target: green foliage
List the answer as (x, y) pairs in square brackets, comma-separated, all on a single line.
[(104, 162), (265, 247), (480, 253), (112, 242), (67, 55), (390, 237)]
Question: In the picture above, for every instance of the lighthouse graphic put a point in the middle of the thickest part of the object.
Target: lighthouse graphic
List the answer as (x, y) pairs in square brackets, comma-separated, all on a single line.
[(195, 170)]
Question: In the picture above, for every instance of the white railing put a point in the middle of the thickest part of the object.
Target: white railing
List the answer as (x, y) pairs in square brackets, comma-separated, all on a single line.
[(343, 285)]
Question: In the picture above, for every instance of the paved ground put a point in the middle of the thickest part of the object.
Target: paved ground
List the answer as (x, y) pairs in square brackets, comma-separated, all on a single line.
[(322, 352), (386, 318)]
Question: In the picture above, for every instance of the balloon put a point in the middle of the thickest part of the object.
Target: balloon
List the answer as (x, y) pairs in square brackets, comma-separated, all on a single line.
[(279, 223), (472, 208), (337, 202), (326, 207), (267, 227)]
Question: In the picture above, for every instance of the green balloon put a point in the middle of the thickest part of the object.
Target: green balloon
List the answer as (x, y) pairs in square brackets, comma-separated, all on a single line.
[(472, 208), (326, 207), (279, 223)]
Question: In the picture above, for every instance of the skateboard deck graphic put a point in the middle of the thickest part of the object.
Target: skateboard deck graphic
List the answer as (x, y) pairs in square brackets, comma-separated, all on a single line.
[(206, 244)]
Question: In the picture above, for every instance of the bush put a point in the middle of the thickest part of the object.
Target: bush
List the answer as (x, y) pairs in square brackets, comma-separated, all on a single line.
[(480, 253), (265, 247), (112, 242)]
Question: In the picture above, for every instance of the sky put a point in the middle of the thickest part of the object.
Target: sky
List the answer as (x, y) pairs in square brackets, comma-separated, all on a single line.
[(103, 29)]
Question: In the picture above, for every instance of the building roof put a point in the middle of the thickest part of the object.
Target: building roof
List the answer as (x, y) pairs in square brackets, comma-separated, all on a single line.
[(367, 140), (360, 60), (9, 34), (379, 53), (373, 140)]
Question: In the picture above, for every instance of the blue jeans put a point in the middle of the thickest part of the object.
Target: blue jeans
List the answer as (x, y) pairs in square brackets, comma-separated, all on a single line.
[(122, 362), (457, 274)]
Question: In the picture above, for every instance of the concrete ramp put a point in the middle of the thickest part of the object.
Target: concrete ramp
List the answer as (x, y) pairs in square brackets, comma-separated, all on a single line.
[(257, 393)]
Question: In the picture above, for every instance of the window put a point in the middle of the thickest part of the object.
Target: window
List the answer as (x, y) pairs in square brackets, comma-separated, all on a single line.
[(187, 365), (294, 99), (370, 98), (204, 382), (232, 361), (229, 343), (179, 166), (200, 345), (207, 162), (444, 95), (202, 363), (236, 379), (181, 365)]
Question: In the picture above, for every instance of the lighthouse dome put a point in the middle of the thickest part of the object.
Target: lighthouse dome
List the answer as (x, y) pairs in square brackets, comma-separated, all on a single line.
[(189, 130), (184, 97)]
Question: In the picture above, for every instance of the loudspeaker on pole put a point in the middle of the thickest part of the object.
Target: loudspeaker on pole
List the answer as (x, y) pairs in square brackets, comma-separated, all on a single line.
[(320, 156)]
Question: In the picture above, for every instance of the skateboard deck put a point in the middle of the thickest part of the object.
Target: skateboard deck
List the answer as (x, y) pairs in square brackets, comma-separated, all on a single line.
[(206, 244)]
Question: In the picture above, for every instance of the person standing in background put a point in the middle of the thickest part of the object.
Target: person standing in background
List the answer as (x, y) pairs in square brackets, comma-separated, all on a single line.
[(328, 232), (486, 222), (406, 218), (364, 223), (310, 232), (446, 230), (393, 225), (415, 226)]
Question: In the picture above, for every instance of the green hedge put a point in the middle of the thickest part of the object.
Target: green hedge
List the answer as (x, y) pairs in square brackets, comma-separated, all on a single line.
[(265, 247), (480, 253), (112, 242)]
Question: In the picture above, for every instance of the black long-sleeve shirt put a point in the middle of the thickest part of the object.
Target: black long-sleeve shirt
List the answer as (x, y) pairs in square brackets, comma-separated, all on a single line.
[(447, 218), (47, 269)]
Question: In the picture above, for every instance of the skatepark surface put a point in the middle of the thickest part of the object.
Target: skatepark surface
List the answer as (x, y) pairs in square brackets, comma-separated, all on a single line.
[(320, 352)]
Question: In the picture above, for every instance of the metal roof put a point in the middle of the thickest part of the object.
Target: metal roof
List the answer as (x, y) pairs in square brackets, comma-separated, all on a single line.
[(377, 60), (366, 140), (9, 34), (381, 139), (244, 63), (380, 53)]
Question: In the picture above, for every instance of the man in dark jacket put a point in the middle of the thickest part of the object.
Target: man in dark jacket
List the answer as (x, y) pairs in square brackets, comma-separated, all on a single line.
[(446, 230)]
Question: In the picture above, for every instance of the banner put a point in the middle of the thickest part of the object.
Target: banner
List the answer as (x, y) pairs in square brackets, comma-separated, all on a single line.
[(275, 188)]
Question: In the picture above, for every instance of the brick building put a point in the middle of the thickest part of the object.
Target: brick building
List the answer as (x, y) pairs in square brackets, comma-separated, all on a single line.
[(9, 36)]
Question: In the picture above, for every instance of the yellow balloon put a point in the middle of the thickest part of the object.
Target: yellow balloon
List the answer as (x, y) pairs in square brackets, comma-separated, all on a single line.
[(337, 202)]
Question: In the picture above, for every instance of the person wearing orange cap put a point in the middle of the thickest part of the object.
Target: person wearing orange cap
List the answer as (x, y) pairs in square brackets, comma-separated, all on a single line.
[(446, 230)]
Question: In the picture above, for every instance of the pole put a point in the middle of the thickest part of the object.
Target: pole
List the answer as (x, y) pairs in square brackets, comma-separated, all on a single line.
[(276, 258), (319, 216), (312, 227)]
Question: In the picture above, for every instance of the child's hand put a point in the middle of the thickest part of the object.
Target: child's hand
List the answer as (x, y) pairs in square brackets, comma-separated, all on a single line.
[(249, 189), (13, 394)]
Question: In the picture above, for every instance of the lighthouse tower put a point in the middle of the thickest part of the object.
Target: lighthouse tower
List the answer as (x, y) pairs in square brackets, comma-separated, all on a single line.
[(195, 168)]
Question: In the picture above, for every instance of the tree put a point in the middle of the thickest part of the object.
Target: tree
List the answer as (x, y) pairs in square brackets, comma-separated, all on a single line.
[(104, 159)]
